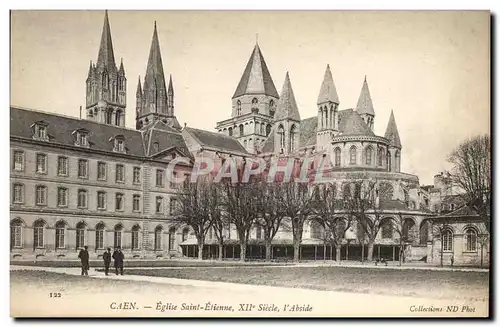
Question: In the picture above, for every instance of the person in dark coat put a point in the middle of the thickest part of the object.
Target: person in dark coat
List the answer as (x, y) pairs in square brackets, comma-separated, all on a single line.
[(118, 257), (84, 258), (107, 261)]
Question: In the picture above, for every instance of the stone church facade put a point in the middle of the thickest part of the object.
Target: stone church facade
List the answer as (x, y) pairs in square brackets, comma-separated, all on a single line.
[(95, 182)]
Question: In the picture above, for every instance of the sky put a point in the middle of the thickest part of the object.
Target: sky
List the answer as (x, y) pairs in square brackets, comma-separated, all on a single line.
[(431, 68)]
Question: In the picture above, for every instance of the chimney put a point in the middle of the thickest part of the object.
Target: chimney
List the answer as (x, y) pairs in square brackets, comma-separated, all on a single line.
[(80, 112)]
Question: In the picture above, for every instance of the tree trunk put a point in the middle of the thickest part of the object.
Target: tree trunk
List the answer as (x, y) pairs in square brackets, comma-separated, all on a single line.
[(370, 250), (482, 255), (268, 250), (296, 250), (337, 253), (401, 251), (221, 249), (200, 250), (324, 252), (362, 252), (243, 250)]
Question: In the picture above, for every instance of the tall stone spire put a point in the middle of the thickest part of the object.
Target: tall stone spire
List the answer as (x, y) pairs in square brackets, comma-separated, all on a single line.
[(287, 106), (365, 104), (170, 94), (391, 132), (154, 70), (106, 56), (138, 93), (256, 78), (328, 92)]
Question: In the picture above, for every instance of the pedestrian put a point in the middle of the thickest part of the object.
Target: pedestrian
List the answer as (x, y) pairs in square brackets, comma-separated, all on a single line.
[(84, 258), (118, 257), (107, 261)]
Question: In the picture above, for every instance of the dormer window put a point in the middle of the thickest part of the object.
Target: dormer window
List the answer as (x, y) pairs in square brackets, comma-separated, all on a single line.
[(82, 137), (40, 131), (119, 144)]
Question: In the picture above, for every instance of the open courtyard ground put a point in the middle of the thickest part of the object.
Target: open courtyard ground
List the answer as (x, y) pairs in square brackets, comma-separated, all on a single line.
[(399, 282)]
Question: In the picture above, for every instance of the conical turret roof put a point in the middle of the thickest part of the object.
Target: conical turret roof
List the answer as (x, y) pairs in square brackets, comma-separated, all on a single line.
[(328, 92), (391, 132), (154, 70), (106, 56), (287, 106), (365, 104)]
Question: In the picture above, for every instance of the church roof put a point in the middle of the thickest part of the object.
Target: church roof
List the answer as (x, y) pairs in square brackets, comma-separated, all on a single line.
[(165, 136), (215, 140), (287, 106), (391, 132), (308, 128), (351, 123), (365, 104), (328, 92), (269, 143), (106, 56), (154, 71), (256, 78)]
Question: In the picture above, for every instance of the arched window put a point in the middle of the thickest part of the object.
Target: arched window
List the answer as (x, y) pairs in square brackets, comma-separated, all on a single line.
[(380, 156), (271, 105), (238, 108), (117, 242), (268, 129), (156, 147), (316, 230), (257, 128), (230, 131), (185, 233), (337, 153), (118, 117), (38, 233), (352, 155), (158, 237), (262, 129), (99, 236), (16, 233), (245, 144), (281, 137), (255, 101), (389, 163), (171, 238), (258, 232), (368, 155), (241, 129), (292, 138), (135, 237), (60, 231), (424, 232), (326, 118), (447, 240), (470, 240), (398, 161), (109, 116), (80, 235), (408, 233), (386, 228)]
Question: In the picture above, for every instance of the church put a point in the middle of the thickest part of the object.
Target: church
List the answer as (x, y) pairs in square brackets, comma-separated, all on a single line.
[(92, 181)]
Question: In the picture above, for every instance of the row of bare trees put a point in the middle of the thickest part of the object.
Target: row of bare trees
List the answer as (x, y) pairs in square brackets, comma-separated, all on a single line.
[(206, 205)]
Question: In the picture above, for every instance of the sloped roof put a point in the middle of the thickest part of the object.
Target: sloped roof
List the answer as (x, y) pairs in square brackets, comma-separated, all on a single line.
[(269, 143), (328, 91), (365, 104), (287, 106), (216, 140), (106, 56), (256, 78), (60, 129), (308, 128), (463, 211), (391, 132), (165, 136), (351, 123), (393, 205)]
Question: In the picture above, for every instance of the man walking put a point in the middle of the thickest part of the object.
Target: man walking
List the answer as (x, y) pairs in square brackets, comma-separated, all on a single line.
[(118, 257), (84, 258), (107, 261)]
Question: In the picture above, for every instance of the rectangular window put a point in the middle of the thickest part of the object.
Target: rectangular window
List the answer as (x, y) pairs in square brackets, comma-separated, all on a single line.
[(159, 204), (82, 199), (62, 166), (102, 171), (18, 193), (118, 239), (171, 239), (135, 240), (80, 238), (41, 163), (62, 197), (173, 206), (136, 203), (120, 173), (120, 145), (83, 171), (159, 178), (158, 234), (83, 139), (38, 237), (101, 200), (137, 175), (41, 195), (19, 160), (173, 184), (119, 202), (99, 239), (60, 238), (16, 236), (42, 132)]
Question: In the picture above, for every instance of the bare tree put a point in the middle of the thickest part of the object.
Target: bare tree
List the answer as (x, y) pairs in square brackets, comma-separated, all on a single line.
[(218, 221), (471, 173), (400, 227), (192, 210)]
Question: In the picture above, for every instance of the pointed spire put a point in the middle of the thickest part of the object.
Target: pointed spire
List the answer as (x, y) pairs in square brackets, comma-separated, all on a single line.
[(391, 132), (170, 86), (122, 70), (256, 78), (139, 88), (90, 68), (287, 106), (365, 104), (328, 92), (154, 70), (106, 56)]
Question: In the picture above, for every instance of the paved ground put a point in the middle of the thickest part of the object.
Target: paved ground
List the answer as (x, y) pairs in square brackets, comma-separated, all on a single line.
[(320, 303)]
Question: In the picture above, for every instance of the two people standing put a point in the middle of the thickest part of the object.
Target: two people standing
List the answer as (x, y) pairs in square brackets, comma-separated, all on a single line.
[(117, 256)]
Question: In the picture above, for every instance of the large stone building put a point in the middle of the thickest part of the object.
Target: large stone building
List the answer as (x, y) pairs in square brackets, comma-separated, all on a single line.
[(95, 182)]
